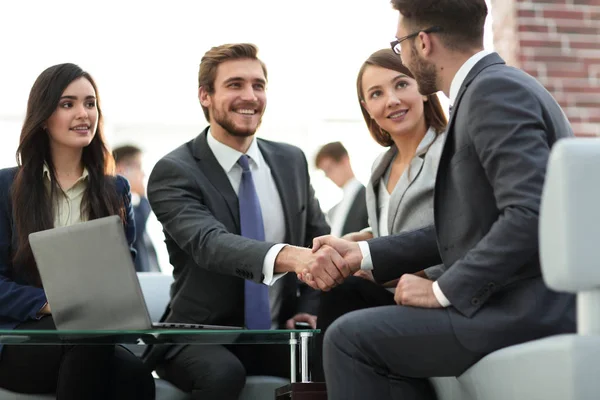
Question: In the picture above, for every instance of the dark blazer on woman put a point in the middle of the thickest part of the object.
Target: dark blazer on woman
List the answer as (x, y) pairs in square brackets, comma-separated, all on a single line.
[(19, 300)]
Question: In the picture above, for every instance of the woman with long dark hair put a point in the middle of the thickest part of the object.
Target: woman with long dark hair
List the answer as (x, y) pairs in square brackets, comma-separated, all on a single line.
[(65, 175)]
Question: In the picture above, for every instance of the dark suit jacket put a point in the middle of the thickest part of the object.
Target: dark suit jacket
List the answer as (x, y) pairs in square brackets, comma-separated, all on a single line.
[(487, 200), (193, 199), (357, 217), (146, 259), (19, 300)]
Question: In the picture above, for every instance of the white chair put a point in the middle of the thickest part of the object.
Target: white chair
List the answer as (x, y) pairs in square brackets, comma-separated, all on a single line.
[(562, 367)]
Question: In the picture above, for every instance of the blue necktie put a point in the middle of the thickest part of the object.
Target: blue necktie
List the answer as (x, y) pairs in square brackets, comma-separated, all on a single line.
[(256, 296)]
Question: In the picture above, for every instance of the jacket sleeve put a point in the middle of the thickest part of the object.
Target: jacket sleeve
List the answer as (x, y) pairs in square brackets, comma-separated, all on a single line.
[(124, 190), (18, 302), (511, 141), (407, 252), (178, 202)]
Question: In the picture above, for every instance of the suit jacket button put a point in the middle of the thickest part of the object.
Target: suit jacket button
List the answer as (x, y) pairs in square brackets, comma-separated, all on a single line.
[(475, 301)]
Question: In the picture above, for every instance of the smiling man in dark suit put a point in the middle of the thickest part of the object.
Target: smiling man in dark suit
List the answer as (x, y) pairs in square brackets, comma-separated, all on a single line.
[(228, 202), (490, 293)]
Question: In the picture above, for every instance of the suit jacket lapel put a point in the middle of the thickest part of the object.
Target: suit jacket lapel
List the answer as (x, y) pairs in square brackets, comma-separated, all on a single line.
[(286, 186), (408, 177), (490, 59), (416, 164), (211, 168), (373, 187)]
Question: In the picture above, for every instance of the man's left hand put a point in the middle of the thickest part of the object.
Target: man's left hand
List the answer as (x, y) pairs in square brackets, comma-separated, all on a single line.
[(301, 317), (416, 292)]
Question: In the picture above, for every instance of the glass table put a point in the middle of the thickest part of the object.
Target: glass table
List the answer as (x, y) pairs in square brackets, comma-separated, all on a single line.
[(293, 338)]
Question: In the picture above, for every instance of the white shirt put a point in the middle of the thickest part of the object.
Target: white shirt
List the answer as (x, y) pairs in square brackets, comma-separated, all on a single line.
[(457, 82), (67, 209), (383, 203), (340, 213), (270, 205), (462, 73)]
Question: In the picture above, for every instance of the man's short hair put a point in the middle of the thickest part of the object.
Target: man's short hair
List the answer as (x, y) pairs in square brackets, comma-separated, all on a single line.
[(334, 150), (219, 54), (462, 21), (125, 153)]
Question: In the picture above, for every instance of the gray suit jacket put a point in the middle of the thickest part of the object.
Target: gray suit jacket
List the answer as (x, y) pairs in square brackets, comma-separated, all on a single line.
[(411, 202), (487, 199), (198, 209)]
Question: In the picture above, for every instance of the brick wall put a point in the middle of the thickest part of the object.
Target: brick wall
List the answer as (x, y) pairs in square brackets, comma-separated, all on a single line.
[(558, 42)]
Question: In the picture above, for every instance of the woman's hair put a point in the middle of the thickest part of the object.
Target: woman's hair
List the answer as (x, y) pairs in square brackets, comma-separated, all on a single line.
[(386, 58), (32, 204)]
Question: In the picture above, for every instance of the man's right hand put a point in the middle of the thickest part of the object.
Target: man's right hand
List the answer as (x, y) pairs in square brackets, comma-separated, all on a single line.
[(325, 268), (348, 251)]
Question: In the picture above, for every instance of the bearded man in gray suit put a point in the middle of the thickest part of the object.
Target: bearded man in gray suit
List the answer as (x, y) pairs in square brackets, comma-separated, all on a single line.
[(489, 293)]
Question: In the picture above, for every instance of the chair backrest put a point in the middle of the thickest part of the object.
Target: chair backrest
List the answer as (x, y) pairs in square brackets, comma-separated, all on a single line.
[(156, 287), (570, 216)]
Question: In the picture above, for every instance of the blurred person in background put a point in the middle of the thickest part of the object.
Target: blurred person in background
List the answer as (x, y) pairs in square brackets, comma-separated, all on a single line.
[(399, 195), (128, 161), (350, 214), (65, 175)]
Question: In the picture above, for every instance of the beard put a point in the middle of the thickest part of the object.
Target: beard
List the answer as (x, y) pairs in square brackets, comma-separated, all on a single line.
[(226, 122), (425, 73)]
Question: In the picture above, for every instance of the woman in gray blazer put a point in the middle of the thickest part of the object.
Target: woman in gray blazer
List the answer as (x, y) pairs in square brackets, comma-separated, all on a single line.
[(400, 191)]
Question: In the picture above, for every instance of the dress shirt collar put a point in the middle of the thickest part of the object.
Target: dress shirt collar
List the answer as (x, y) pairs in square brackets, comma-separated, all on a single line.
[(350, 186), (227, 156), (46, 172), (462, 73)]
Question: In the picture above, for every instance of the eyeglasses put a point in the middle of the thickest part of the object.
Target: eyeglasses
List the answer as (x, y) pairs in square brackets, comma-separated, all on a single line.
[(396, 43)]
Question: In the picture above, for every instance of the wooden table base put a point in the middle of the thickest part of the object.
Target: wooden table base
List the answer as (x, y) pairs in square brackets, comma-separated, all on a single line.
[(302, 391)]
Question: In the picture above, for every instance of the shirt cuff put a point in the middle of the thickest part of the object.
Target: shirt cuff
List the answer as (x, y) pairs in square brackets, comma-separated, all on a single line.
[(366, 263), (439, 295), (269, 265), (39, 314)]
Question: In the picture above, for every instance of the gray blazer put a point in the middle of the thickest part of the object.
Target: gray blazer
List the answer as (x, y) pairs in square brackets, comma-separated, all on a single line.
[(487, 201), (411, 202), (198, 209)]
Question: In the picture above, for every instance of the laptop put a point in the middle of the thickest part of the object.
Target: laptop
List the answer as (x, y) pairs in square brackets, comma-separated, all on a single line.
[(90, 280)]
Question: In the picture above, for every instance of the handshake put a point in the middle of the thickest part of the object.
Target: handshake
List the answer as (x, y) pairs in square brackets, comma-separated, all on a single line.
[(330, 261)]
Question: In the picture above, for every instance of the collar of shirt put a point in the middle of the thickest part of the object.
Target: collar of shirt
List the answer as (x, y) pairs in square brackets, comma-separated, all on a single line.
[(227, 156), (462, 73), (351, 186), (46, 172)]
